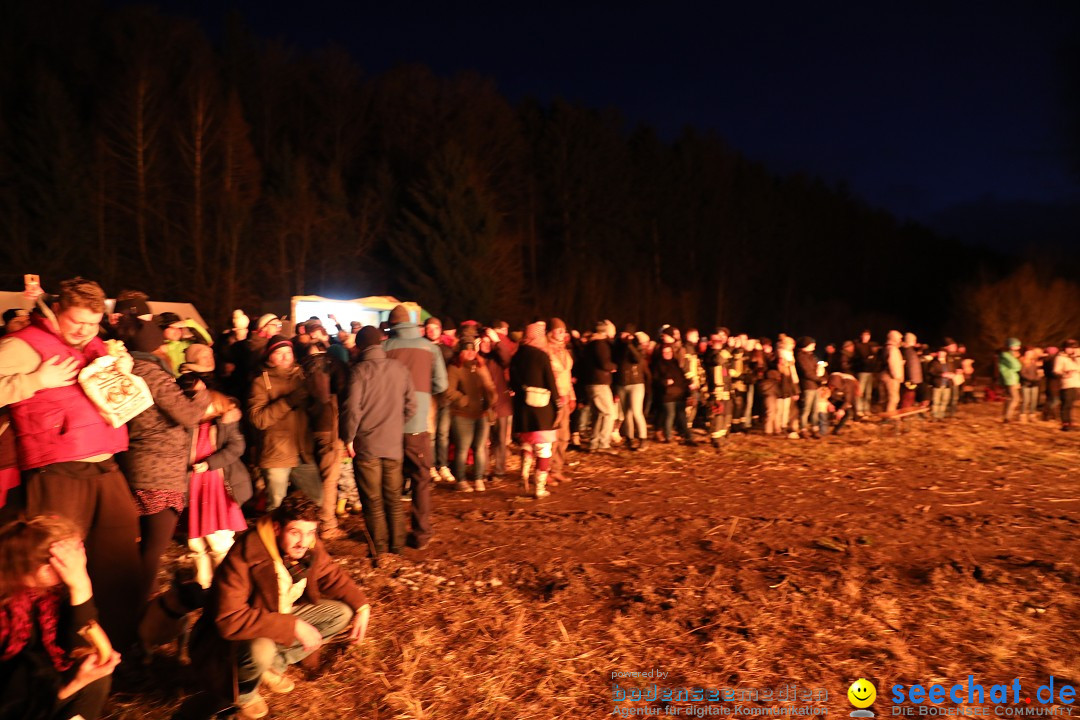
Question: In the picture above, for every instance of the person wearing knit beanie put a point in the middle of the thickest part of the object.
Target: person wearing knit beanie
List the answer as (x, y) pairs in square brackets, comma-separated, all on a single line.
[(368, 336), (268, 325), (148, 338), (400, 314), (468, 330), (276, 343), (536, 334)]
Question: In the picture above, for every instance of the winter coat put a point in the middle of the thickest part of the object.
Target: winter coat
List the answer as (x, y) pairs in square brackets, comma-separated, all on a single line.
[(912, 366), (628, 360), (866, 358), (327, 381), (892, 362), (769, 385), (159, 438), (504, 403), (427, 364), (1067, 368), (562, 364), (381, 401), (228, 441), (471, 390), (277, 408), (243, 603), (598, 366), (673, 391), (1009, 368), (936, 371), (806, 363), (531, 367)]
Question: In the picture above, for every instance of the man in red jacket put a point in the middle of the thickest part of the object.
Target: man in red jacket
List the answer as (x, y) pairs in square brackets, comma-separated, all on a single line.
[(65, 447), (276, 597)]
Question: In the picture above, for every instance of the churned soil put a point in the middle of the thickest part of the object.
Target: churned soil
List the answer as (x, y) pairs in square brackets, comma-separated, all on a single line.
[(927, 555)]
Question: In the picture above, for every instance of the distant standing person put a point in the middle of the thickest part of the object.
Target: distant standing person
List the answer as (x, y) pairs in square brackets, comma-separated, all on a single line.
[(379, 404), (1009, 369), (536, 398), (427, 369), (278, 409), (1067, 368)]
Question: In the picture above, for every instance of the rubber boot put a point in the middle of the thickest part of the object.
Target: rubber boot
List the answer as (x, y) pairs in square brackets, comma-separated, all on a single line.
[(541, 485), (204, 568), (526, 471)]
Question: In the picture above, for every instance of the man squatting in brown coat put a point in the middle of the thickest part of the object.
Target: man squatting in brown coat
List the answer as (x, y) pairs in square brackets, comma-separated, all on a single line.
[(276, 597)]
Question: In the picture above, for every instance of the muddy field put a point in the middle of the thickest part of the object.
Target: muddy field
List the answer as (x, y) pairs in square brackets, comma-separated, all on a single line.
[(921, 557)]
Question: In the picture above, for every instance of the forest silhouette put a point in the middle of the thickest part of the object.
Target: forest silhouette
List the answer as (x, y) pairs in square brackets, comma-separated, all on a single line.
[(235, 173)]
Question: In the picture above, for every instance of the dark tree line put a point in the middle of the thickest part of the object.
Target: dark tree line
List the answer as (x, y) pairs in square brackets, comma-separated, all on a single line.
[(135, 151)]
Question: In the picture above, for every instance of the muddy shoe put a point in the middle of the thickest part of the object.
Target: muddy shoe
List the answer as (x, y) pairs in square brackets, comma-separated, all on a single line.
[(276, 682), (254, 708)]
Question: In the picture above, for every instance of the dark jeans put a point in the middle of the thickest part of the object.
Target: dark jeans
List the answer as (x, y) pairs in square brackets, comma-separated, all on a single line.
[(675, 417), (1068, 397), (469, 433), (500, 443), (97, 498), (417, 466), (442, 437), (379, 482)]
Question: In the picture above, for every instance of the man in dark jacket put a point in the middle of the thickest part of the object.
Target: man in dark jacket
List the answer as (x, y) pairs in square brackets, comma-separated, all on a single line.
[(598, 370), (373, 421), (865, 365), (809, 381), (276, 597)]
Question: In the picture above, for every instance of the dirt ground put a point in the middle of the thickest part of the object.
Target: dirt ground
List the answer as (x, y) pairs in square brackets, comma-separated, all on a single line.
[(926, 556)]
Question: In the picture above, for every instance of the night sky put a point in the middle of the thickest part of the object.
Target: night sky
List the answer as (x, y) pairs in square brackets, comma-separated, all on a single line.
[(917, 107)]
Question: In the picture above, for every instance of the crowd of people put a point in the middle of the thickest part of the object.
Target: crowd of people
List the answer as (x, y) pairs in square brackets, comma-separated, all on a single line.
[(253, 444)]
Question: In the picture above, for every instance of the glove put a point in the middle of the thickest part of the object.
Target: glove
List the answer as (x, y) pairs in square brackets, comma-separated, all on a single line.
[(297, 397)]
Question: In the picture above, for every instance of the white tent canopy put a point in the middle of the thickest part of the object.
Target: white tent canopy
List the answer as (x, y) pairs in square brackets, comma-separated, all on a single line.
[(367, 311)]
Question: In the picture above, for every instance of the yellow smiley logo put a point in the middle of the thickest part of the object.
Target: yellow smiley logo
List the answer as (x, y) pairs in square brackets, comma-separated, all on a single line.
[(862, 693)]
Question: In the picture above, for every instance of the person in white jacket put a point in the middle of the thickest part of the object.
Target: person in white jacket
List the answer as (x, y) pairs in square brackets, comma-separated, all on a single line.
[(1067, 368)]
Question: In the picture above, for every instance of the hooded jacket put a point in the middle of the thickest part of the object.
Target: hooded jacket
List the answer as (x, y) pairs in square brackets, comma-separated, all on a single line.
[(381, 401), (427, 369)]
